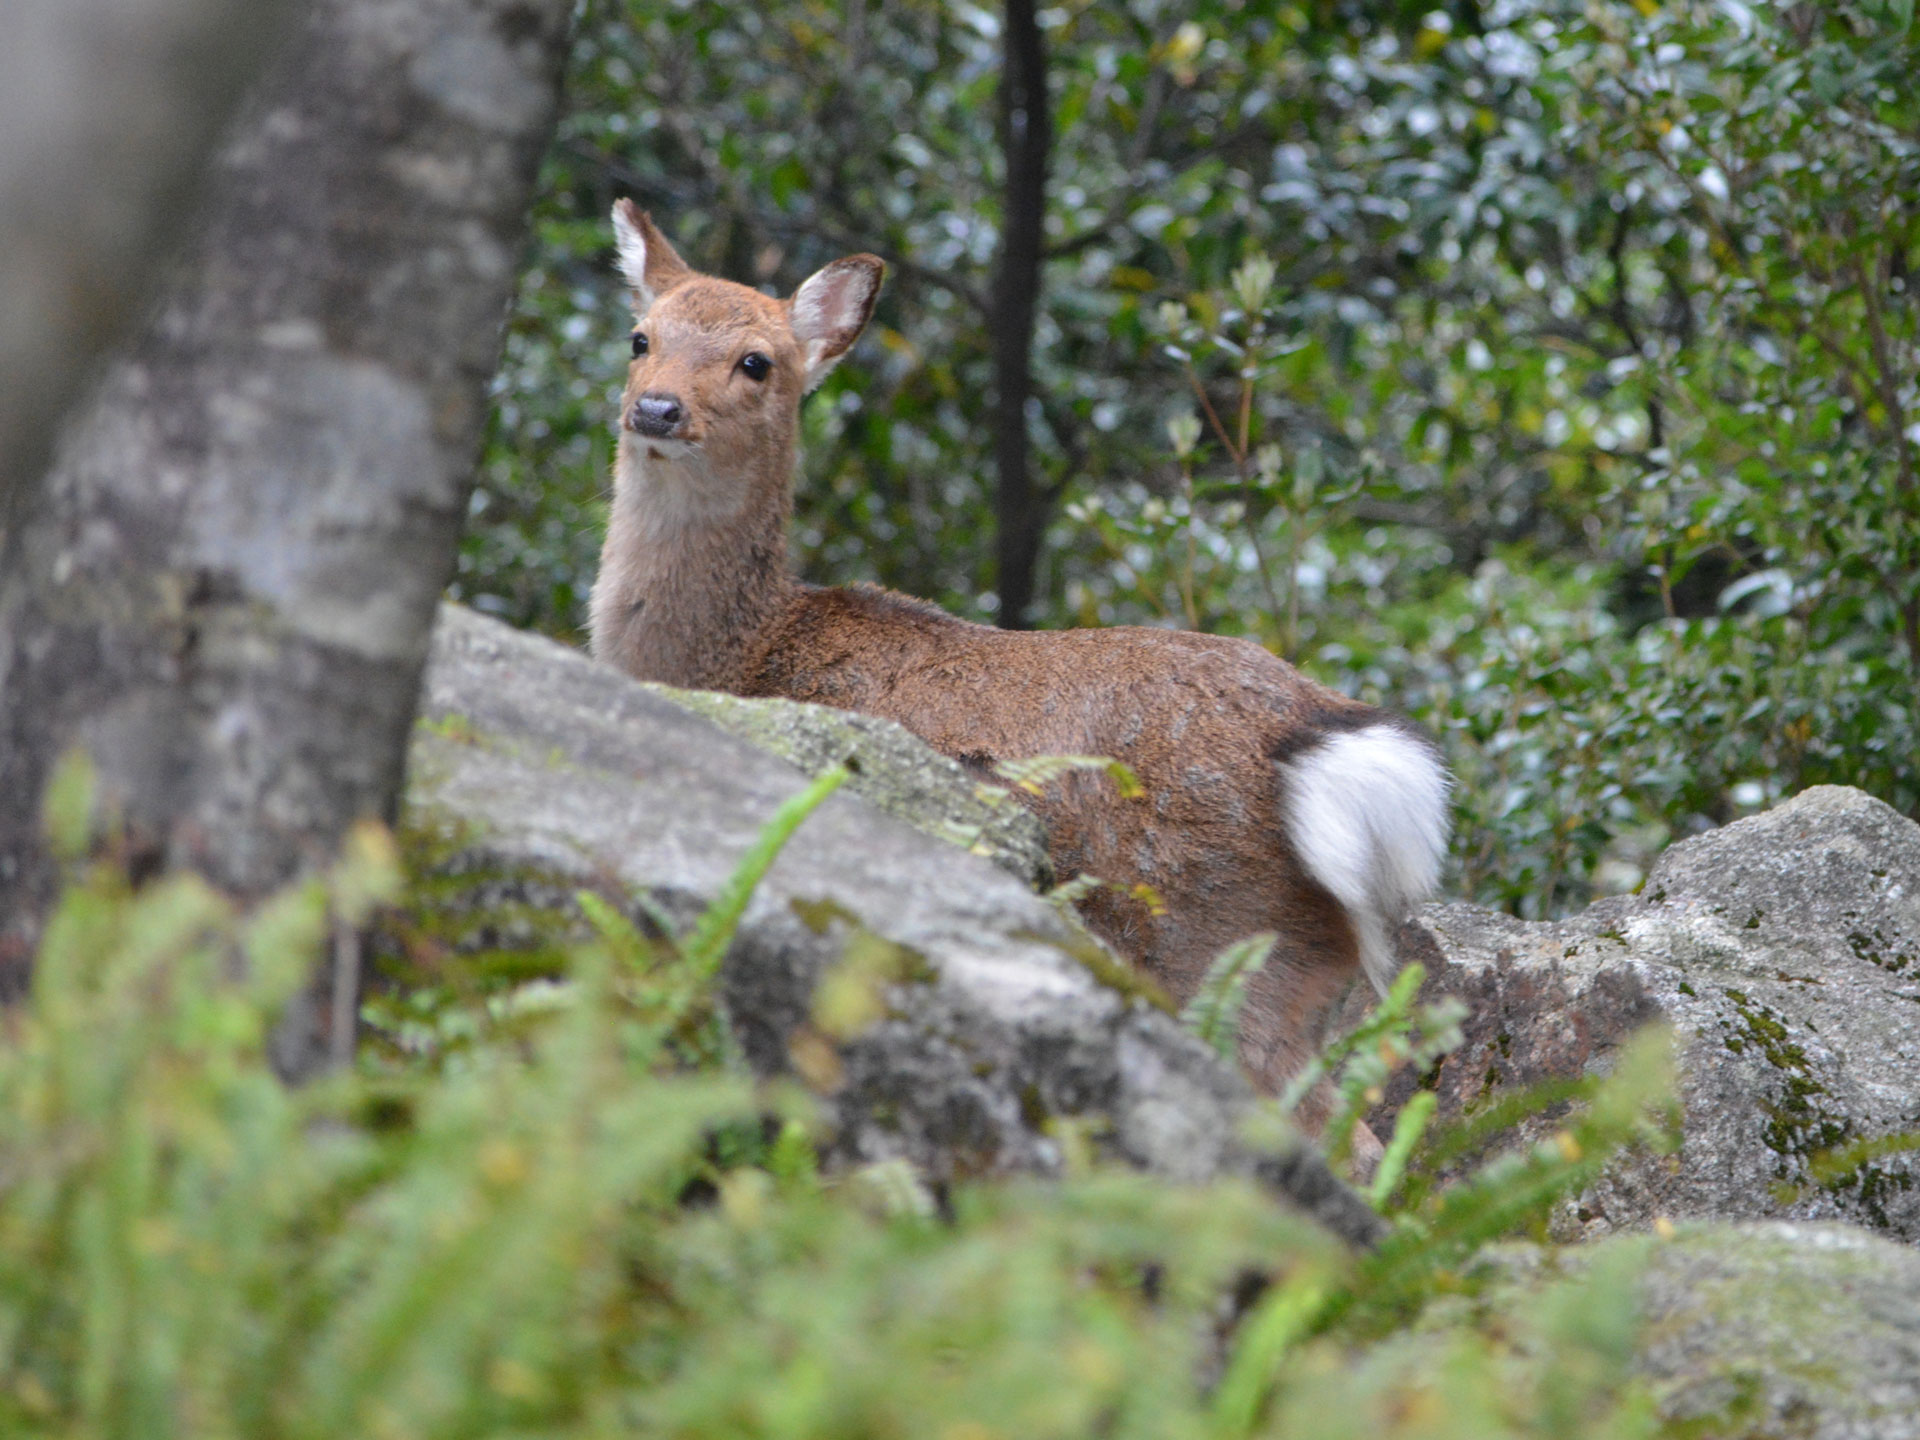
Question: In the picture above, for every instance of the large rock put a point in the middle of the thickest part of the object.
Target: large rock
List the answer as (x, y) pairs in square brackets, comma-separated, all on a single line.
[(1785, 952), (1755, 1331), (535, 772), (893, 770)]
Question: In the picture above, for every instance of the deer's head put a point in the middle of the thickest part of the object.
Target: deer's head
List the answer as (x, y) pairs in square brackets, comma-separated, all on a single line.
[(718, 369)]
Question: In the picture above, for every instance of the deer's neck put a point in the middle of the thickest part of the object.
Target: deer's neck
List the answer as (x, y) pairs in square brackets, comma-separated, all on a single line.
[(694, 569)]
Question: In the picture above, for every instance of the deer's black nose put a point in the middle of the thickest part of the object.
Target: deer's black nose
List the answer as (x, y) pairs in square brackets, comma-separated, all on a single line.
[(658, 415)]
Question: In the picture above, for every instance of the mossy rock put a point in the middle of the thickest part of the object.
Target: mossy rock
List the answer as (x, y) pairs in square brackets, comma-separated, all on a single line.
[(1780, 950), (1753, 1332), (893, 770), (535, 773)]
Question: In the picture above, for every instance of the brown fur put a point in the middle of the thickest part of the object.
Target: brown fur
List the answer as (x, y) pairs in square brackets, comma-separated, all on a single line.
[(1201, 719)]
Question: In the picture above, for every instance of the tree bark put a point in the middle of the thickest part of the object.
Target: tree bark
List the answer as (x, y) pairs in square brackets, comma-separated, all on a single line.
[(1026, 137), (108, 110), (225, 591)]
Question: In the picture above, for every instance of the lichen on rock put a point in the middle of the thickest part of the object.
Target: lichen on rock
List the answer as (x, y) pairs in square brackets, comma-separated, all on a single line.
[(1774, 947), (1774, 1329), (893, 771)]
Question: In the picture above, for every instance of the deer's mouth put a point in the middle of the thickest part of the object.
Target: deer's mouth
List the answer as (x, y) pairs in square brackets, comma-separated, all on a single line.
[(661, 448)]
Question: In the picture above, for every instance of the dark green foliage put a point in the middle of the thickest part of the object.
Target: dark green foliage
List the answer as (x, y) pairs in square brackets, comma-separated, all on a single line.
[(1580, 384)]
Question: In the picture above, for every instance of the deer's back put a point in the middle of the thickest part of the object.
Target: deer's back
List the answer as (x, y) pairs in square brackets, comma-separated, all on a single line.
[(1170, 702)]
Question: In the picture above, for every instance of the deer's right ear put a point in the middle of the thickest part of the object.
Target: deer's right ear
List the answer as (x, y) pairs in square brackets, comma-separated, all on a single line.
[(646, 259)]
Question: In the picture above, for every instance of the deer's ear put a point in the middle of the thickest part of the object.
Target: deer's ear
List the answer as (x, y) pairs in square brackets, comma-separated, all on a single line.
[(646, 259), (830, 310)]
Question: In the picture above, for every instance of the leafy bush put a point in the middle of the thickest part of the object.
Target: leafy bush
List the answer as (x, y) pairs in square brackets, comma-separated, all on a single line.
[(1576, 412)]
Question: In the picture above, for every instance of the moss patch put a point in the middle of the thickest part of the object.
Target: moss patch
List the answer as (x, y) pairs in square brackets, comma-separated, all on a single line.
[(1877, 950), (892, 770), (1798, 1125)]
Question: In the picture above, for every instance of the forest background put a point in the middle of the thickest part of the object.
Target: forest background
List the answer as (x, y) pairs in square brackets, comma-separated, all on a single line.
[(1547, 370)]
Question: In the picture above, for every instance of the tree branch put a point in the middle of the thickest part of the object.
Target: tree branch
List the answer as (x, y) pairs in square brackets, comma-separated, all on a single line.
[(1026, 138)]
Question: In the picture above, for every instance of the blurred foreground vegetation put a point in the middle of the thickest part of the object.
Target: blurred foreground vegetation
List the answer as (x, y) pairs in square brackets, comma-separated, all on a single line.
[(1578, 345), (572, 1215)]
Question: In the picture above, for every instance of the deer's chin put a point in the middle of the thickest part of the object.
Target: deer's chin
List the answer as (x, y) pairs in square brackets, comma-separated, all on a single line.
[(673, 490)]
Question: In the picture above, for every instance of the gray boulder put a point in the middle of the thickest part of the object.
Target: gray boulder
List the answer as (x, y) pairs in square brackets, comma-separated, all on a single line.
[(535, 772), (1784, 950), (893, 770), (1756, 1331)]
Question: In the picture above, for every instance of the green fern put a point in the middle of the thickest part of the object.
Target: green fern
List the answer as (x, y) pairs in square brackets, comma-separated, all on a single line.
[(706, 944), (1409, 1127), (1035, 773), (583, 1228), (1214, 1012), (1399, 1032)]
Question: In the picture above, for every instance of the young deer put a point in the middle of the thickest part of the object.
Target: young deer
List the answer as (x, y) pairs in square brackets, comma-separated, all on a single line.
[(1272, 802)]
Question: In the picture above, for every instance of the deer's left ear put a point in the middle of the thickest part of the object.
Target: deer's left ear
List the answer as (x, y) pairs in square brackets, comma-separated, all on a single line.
[(830, 310)]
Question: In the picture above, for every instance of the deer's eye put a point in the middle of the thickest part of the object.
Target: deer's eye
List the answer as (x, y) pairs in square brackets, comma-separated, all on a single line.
[(639, 344), (757, 366)]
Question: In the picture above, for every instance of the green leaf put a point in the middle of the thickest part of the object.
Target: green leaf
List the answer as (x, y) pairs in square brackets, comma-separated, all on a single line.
[(1408, 1127), (1284, 1316), (705, 945)]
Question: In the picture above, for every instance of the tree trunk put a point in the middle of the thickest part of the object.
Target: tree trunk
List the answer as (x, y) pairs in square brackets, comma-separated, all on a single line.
[(108, 110), (225, 591), (1026, 135)]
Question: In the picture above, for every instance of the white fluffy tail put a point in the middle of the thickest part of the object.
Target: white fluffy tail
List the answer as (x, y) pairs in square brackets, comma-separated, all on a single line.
[(1367, 813)]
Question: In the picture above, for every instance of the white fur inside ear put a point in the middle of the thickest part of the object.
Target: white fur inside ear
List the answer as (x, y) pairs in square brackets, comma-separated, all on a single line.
[(829, 312), (633, 259)]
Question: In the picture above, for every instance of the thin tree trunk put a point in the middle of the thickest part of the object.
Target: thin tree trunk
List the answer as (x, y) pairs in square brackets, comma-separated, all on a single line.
[(1026, 136), (108, 112), (225, 591)]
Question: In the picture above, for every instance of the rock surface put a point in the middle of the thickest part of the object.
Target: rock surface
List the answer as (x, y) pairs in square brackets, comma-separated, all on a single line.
[(1784, 950), (537, 772), (1777, 1329), (1754, 1331), (893, 771)]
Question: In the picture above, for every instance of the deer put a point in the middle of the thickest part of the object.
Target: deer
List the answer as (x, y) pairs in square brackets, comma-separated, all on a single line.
[(1271, 802)]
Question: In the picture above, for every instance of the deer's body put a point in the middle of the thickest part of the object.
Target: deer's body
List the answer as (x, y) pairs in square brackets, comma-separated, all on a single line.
[(1272, 802)]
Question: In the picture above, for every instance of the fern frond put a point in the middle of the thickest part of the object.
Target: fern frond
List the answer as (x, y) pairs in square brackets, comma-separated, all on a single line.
[(1036, 772), (1214, 1012), (1410, 1125), (1071, 892), (705, 945)]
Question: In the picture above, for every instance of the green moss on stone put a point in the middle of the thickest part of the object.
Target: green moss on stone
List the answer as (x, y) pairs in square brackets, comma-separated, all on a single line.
[(1108, 968), (465, 931), (892, 770), (452, 727), (1798, 1125)]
